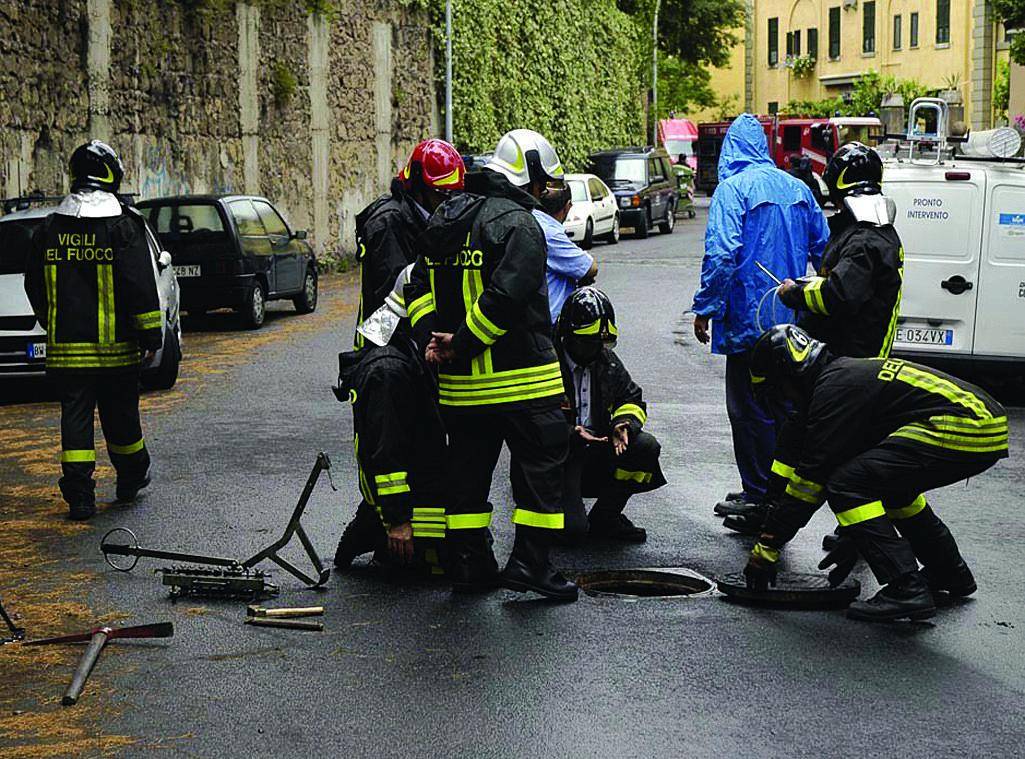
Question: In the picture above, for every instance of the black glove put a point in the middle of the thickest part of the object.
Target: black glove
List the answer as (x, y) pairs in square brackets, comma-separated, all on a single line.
[(761, 568), (844, 556)]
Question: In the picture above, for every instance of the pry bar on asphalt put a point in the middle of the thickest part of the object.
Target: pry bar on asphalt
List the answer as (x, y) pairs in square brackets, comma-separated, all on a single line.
[(283, 613), (15, 633), (290, 624), (98, 638), (237, 579)]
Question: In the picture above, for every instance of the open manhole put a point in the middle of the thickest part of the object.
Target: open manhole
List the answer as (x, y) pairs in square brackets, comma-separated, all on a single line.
[(644, 583)]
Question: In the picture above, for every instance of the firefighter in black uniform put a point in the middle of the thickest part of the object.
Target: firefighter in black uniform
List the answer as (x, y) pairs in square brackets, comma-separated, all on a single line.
[(400, 444), (611, 458), (879, 433), (386, 230), (478, 303), (91, 284)]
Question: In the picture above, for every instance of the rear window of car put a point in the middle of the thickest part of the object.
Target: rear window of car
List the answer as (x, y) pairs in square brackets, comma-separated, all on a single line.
[(181, 221), (577, 191), (630, 170), (15, 239)]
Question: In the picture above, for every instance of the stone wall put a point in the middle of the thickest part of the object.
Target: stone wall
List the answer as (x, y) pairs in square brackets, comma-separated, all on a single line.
[(313, 112)]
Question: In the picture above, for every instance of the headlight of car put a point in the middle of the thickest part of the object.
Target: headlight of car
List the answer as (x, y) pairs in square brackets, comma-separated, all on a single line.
[(624, 202)]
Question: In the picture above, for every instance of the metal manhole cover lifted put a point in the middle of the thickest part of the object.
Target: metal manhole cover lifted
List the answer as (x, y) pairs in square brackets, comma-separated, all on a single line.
[(793, 590), (673, 582)]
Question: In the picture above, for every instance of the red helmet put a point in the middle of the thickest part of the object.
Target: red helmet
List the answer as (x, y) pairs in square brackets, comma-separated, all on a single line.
[(437, 164)]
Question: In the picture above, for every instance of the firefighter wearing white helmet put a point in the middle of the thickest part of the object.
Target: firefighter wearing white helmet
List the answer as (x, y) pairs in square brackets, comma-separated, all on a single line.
[(527, 158)]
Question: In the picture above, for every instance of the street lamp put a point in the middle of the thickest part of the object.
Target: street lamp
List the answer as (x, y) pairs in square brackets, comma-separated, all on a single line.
[(448, 70), (654, 75)]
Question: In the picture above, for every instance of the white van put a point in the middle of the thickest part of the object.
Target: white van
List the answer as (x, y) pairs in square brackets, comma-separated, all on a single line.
[(962, 222)]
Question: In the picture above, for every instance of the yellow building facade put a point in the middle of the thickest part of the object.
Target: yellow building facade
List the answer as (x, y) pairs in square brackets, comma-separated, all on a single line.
[(939, 43)]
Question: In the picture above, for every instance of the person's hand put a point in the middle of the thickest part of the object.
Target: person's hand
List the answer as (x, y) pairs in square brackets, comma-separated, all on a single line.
[(789, 293), (587, 436), (400, 542), (701, 329), (439, 349), (761, 569), (844, 556), (621, 437)]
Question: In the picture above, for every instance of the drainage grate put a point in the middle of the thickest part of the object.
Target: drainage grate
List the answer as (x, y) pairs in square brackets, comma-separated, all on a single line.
[(645, 583)]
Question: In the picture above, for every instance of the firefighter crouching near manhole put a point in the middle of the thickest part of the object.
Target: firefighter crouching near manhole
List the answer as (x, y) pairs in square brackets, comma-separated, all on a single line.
[(477, 301), (611, 458), (854, 302), (91, 284), (386, 230), (400, 445), (877, 434)]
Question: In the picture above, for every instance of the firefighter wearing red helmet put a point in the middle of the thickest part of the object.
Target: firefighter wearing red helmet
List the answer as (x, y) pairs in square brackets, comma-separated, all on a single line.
[(386, 229)]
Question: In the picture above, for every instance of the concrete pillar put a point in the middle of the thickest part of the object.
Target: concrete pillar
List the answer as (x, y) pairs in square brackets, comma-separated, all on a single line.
[(382, 34), (248, 17), (981, 115), (98, 67), (319, 36), (749, 57), (18, 171)]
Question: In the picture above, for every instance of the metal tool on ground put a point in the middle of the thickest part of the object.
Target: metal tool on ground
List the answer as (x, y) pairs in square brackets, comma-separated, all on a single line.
[(290, 624), (236, 578), (98, 638), (284, 613), (14, 633), (793, 590)]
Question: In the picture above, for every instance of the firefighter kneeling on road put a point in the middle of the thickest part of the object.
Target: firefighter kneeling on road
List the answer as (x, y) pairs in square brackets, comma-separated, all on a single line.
[(877, 434), (611, 458), (400, 444), (90, 280)]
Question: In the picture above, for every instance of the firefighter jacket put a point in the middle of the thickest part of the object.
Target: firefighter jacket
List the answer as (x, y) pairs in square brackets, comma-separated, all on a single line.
[(386, 233), (399, 437), (615, 398), (482, 277), (91, 284), (855, 405), (853, 304)]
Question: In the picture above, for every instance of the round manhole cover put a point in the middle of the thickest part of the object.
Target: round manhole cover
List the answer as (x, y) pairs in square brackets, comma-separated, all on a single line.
[(795, 590), (644, 583)]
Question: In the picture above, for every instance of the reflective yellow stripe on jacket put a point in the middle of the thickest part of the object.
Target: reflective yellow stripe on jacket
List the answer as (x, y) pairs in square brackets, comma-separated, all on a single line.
[(500, 387)]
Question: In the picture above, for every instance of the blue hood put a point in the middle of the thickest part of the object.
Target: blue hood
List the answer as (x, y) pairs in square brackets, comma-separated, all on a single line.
[(743, 147)]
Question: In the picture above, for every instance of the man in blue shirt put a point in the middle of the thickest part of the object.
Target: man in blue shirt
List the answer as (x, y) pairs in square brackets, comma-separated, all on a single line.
[(761, 214), (568, 265)]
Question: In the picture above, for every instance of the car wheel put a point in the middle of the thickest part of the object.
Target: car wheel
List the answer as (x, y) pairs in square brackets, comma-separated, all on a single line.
[(641, 230), (165, 375), (588, 240), (613, 237), (666, 227), (306, 301), (255, 310)]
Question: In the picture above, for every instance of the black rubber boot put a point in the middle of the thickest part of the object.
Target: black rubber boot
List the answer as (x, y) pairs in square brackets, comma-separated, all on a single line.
[(529, 567), (471, 564), (907, 597), (747, 524), (957, 582), (608, 521), (363, 534), (129, 491), (79, 511), (944, 567), (739, 507)]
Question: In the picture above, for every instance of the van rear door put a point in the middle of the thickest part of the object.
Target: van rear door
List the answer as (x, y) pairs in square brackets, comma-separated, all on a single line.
[(1000, 314), (939, 219)]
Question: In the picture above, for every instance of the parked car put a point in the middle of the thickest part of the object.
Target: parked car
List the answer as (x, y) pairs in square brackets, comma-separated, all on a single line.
[(645, 187), (594, 213), (234, 251), (23, 340)]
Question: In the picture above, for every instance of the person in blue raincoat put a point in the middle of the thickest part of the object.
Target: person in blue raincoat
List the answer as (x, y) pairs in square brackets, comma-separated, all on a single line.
[(759, 213)]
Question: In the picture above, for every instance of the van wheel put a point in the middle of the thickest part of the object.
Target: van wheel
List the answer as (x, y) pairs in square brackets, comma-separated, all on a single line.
[(306, 301), (641, 231), (588, 242), (613, 237), (165, 375), (255, 309), (666, 227)]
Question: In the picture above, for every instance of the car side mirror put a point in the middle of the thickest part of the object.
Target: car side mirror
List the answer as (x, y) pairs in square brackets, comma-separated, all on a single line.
[(657, 178), (299, 234), (163, 260)]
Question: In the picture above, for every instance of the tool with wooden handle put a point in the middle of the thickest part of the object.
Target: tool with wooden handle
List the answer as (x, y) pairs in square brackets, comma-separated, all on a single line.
[(290, 624), (284, 613), (98, 638)]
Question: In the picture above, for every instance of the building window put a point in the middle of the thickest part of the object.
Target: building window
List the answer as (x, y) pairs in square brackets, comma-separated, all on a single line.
[(790, 44), (773, 107), (868, 28), (898, 22), (797, 43), (834, 33), (813, 44), (773, 41), (942, 22), (913, 41)]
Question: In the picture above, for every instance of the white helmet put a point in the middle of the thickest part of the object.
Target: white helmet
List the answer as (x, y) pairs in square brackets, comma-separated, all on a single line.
[(524, 156)]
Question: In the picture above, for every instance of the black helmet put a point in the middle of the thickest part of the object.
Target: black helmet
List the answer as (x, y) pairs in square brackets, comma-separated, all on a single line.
[(586, 323), (855, 169), (95, 166), (783, 353)]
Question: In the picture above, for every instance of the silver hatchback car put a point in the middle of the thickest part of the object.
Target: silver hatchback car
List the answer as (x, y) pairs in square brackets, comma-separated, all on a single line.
[(23, 340)]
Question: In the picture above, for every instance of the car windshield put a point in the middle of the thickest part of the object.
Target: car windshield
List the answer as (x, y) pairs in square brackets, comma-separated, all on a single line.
[(865, 133), (630, 170), (680, 147), (577, 191), (15, 238)]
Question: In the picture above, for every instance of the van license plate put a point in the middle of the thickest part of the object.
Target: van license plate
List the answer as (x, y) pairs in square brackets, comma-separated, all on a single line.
[(924, 336), (187, 271), (36, 350)]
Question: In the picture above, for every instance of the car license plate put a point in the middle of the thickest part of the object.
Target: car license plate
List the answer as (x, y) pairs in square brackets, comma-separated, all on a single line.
[(187, 271), (36, 350), (924, 336)]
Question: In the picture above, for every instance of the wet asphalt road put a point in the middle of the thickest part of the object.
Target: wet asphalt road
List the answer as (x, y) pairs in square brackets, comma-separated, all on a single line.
[(412, 671)]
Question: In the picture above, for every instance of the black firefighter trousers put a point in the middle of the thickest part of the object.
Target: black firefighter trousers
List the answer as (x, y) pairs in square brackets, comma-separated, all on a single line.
[(117, 397)]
